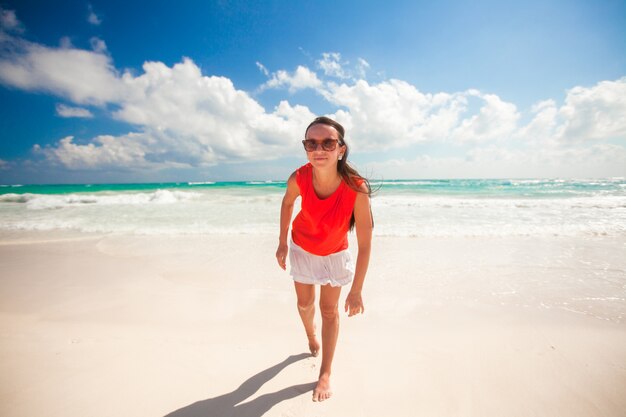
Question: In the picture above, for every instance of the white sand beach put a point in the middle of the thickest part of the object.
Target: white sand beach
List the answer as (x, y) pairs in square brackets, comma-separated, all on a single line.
[(123, 325)]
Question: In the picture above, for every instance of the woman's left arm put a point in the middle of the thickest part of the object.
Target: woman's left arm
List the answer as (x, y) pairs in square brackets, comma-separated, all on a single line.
[(363, 223)]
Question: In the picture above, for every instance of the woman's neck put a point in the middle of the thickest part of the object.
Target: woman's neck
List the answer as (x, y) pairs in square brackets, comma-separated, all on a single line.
[(326, 176)]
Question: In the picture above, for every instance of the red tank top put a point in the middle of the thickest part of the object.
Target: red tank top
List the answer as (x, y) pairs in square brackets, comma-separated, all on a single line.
[(321, 227)]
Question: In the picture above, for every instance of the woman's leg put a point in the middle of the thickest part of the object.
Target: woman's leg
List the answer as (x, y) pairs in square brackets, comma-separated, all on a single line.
[(329, 299), (306, 308)]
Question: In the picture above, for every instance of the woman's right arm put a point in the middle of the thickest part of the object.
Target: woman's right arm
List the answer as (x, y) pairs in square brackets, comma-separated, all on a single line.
[(286, 210)]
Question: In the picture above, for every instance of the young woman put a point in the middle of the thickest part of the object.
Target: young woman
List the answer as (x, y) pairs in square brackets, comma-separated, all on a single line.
[(335, 198)]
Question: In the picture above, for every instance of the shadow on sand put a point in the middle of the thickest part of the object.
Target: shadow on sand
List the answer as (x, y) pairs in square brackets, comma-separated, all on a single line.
[(228, 405)]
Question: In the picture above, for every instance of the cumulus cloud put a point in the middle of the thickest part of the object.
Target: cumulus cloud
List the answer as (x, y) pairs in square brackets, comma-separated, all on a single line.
[(66, 42), (594, 113), (262, 68), (92, 17), (599, 160), (103, 152), (332, 66), (186, 119), (394, 113), (361, 68), (542, 127), (300, 79), (207, 115), (495, 120), (98, 45), (9, 21), (67, 111), (183, 118), (84, 77)]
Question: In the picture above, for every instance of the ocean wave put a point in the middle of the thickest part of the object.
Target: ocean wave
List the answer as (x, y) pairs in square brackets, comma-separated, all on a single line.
[(411, 182), (500, 231), (268, 182), (14, 198), (191, 228), (201, 183), (241, 209), (604, 202), (57, 201), (382, 229)]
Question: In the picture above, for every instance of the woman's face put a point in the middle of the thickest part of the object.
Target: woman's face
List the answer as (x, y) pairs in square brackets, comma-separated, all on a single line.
[(321, 158)]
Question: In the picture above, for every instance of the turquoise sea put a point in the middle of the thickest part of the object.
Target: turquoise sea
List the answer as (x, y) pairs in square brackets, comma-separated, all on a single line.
[(415, 208), (468, 187)]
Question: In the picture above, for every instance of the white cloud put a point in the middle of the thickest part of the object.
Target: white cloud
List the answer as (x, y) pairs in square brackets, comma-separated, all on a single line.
[(9, 21), (66, 42), (394, 113), (361, 68), (92, 17), (199, 120), (596, 113), (543, 125), (67, 111), (208, 114), (98, 45), (600, 160), (84, 77), (103, 152), (496, 120), (262, 69), (183, 118), (332, 66), (302, 78), (186, 119)]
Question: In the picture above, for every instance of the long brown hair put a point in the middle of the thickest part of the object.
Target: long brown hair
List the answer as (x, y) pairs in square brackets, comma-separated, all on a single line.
[(347, 172)]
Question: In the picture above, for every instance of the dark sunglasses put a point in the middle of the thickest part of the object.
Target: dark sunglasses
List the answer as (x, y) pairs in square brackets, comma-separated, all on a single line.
[(329, 144)]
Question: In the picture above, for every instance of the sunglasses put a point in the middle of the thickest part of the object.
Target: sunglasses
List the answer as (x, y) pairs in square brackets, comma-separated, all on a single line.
[(329, 144)]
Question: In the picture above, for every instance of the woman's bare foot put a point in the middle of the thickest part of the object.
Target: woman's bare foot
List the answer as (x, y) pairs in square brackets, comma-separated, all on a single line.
[(322, 390), (314, 345)]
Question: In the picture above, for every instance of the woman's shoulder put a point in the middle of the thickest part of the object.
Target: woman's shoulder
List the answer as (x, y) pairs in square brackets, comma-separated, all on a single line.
[(359, 184), (292, 184), (299, 176), (305, 171), (305, 168)]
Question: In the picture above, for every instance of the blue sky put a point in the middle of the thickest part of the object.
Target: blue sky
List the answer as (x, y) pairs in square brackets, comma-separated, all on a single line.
[(148, 91)]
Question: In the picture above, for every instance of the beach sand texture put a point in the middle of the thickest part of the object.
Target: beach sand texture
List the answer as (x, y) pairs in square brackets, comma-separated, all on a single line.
[(122, 325)]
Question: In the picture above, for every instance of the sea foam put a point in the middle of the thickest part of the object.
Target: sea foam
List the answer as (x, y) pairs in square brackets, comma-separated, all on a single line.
[(411, 208), (57, 201)]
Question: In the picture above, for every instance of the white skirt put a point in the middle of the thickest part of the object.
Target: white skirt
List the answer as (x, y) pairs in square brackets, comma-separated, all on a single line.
[(336, 269)]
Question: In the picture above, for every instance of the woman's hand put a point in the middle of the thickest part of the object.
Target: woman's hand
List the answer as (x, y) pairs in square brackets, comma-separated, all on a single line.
[(281, 256), (354, 303), (286, 208)]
